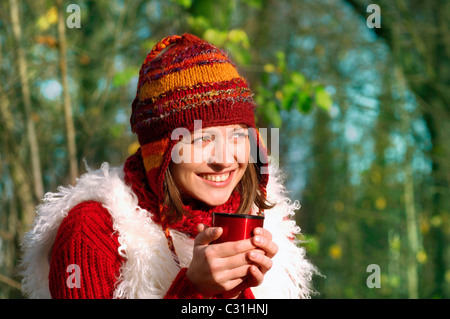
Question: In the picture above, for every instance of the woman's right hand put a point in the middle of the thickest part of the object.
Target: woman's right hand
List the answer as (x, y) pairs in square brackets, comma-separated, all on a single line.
[(219, 268)]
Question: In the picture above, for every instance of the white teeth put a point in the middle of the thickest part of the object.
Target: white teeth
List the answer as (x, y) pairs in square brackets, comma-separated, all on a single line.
[(216, 178)]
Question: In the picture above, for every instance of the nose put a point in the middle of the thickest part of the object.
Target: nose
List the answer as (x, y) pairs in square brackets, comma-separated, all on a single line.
[(221, 154), (219, 167)]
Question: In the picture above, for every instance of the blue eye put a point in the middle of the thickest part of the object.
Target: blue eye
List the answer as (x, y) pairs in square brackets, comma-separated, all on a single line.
[(239, 135), (203, 139)]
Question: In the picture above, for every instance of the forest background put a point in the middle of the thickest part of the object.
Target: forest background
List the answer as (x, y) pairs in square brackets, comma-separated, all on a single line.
[(363, 118)]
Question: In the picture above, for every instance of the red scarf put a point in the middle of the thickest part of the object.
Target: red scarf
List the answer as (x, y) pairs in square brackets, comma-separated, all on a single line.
[(198, 213)]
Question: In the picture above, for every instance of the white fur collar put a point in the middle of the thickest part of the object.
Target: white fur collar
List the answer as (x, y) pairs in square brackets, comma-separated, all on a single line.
[(149, 268)]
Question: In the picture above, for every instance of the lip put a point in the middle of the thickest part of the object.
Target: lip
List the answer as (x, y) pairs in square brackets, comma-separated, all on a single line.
[(218, 184)]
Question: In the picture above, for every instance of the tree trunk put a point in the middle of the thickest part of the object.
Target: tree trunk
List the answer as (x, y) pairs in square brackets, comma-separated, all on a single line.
[(412, 229), (412, 226), (23, 74), (22, 187), (440, 200), (70, 128)]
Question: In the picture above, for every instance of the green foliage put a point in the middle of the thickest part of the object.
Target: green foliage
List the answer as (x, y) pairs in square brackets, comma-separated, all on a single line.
[(283, 89), (184, 3), (254, 3), (323, 98), (123, 78), (310, 242), (235, 42)]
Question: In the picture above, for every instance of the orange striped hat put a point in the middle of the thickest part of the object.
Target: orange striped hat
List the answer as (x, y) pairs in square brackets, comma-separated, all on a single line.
[(184, 79)]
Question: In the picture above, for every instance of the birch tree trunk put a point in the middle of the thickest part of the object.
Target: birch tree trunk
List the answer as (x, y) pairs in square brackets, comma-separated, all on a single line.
[(70, 128), (412, 226), (412, 229), (22, 187), (23, 72)]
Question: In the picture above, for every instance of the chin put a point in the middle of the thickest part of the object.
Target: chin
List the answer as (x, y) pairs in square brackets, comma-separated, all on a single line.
[(213, 201)]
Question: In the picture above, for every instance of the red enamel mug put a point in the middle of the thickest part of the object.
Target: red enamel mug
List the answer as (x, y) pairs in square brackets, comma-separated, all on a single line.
[(236, 226)]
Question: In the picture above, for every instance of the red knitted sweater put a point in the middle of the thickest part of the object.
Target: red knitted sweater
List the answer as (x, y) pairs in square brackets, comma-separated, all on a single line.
[(86, 238)]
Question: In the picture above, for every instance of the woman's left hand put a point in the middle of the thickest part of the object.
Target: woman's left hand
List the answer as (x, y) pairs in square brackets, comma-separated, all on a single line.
[(261, 259)]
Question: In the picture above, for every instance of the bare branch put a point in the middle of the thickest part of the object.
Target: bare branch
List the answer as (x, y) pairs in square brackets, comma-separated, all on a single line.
[(10, 282)]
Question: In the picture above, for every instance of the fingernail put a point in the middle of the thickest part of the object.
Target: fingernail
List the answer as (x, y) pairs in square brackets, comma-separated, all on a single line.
[(216, 230), (258, 239)]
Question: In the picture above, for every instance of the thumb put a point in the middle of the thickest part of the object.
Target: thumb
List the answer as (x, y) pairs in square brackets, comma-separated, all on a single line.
[(207, 234)]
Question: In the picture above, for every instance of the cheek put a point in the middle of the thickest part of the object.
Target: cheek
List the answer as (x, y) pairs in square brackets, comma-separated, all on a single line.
[(242, 152), (182, 174), (182, 153)]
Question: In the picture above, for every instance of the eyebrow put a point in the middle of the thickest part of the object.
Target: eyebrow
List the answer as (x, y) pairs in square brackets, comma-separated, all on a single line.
[(212, 129)]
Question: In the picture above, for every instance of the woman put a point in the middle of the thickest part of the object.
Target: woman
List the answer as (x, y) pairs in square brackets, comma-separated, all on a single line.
[(143, 230)]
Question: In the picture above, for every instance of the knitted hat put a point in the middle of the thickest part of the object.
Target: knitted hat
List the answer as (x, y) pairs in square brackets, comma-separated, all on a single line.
[(184, 79)]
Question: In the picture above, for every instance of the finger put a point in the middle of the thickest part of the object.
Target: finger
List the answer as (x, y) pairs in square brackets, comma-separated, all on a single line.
[(256, 276), (262, 232), (263, 262), (267, 245), (233, 287), (230, 278), (234, 248), (232, 284), (201, 227), (208, 235), (232, 262), (259, 251), (236, 273)]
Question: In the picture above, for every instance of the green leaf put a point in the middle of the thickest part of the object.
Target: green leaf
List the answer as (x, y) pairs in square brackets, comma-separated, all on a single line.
[(289, 93), (122, 78), (281, 60), (198, 23), (184, 3), (240, 37), (269, 68), (215, 36), (272, 114), (298, 79), (323, 99), (304, 102)]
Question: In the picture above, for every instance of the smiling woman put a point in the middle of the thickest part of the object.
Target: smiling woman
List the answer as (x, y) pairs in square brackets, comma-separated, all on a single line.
[(214, 178), (144, 230), (224, 168)]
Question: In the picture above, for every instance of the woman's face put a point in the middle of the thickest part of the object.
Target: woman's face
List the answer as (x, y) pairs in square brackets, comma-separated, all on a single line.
[(208, 163)]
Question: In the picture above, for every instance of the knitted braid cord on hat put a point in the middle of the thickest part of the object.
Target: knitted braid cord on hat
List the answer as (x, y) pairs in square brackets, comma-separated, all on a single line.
[(161, 45)]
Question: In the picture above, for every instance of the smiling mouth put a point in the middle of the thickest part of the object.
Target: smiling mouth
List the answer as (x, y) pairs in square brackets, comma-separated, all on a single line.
[(216, 177)]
